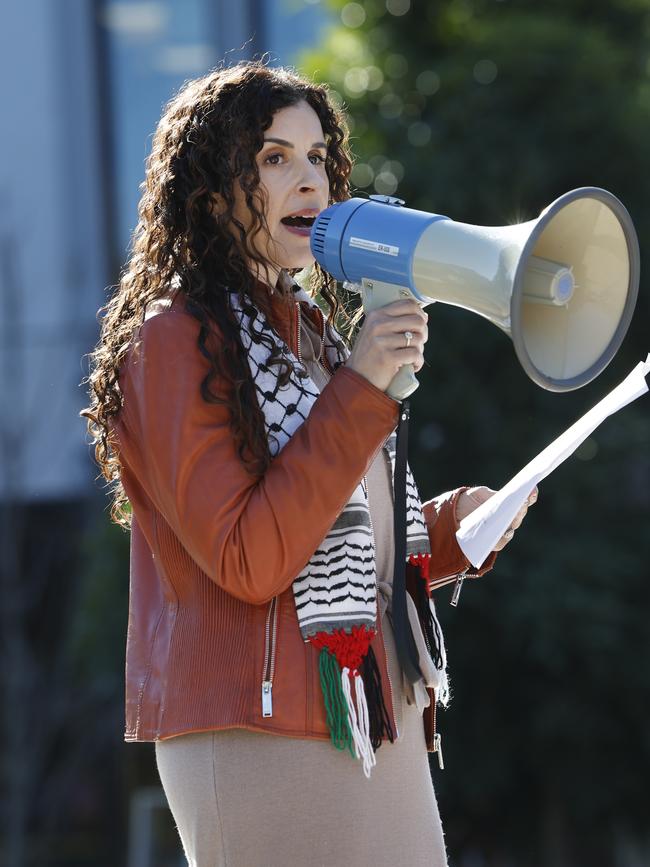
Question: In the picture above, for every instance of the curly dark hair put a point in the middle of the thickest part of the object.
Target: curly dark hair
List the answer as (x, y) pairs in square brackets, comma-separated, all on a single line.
[(206, 140)]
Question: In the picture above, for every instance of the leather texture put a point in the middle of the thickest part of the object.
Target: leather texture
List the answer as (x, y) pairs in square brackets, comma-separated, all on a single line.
[(212, 546)]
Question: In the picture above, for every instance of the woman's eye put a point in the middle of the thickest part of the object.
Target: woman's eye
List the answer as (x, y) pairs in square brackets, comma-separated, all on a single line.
[(277, 159)]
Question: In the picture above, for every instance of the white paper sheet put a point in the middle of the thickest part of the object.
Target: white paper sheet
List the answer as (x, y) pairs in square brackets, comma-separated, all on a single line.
[(480, 531)]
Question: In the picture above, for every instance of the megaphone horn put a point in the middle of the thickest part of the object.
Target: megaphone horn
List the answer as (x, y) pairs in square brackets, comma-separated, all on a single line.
[(562, 286)]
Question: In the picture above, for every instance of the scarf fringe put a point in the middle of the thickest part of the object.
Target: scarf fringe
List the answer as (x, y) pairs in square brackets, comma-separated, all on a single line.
[(359, 724), (380, 726), (417, 584), (335, 702), (360, 728)]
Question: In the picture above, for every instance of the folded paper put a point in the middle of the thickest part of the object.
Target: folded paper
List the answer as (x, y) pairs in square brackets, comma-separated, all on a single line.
[(480, 531)]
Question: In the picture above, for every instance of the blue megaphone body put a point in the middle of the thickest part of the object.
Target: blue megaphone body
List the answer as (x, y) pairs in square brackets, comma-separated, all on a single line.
[(362, 237)]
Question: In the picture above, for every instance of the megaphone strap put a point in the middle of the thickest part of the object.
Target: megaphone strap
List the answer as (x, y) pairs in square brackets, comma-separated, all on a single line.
[(404, 641)]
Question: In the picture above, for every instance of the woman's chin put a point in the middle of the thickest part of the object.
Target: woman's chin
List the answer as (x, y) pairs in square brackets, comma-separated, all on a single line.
[(297, 263), (292, 257)]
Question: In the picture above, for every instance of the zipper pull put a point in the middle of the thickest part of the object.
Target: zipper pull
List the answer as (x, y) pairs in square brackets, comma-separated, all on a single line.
[(457, 588), (437, 748), (267, 698)]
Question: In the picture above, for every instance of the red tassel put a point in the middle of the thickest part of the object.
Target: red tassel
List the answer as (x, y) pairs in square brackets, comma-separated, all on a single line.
[(349, 648), (422, 562)]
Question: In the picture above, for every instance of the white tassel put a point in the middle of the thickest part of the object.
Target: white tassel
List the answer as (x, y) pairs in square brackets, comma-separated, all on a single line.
[(352, 713), (362, 746), (364, 718)]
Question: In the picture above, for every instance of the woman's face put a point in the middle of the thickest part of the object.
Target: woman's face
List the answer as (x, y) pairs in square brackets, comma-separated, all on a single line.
[(293, 185)]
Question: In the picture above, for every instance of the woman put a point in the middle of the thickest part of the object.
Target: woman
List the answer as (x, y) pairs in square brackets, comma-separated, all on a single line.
[(251, 456)]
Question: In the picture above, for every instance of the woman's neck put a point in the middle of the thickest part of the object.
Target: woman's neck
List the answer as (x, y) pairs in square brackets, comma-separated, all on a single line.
[(276, 280)]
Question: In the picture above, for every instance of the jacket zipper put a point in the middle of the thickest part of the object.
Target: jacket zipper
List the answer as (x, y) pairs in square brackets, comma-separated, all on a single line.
[(298, 331), (324, 364), (269, 657), (321, 354), (437, 739)]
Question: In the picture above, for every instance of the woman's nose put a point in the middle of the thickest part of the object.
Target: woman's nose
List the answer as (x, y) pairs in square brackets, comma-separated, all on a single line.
[(311, 177)]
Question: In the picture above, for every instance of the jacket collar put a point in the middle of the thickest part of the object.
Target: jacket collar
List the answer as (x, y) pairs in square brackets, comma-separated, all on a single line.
[(284, 308)]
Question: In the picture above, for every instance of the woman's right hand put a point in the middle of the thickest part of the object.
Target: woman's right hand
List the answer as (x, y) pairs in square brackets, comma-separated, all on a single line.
[(380, 348)]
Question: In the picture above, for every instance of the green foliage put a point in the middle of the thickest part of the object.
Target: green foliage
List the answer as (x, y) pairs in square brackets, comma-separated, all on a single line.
[(486, 111)]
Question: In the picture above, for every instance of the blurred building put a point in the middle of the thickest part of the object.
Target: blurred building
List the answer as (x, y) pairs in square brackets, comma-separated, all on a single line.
[(86, 81)]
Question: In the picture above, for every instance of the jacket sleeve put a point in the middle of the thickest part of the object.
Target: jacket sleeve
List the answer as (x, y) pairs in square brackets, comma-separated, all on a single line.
[(447, 558), (252, 536)]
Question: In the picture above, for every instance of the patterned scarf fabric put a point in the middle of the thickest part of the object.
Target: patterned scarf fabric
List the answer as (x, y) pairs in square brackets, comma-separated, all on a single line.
[(336, 592)]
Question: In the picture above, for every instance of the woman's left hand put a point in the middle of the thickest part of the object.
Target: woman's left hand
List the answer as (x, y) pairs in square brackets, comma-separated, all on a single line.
[(472, 498)]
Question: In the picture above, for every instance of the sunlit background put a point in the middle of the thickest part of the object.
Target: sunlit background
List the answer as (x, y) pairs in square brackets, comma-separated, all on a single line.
[(483, 110)]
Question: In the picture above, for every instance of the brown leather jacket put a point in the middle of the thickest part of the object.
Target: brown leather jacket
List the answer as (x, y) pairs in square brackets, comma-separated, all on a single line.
[(213, 639)]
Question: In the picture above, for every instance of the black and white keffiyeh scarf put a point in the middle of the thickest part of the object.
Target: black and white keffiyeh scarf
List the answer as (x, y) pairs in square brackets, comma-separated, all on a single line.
[(336, 592)]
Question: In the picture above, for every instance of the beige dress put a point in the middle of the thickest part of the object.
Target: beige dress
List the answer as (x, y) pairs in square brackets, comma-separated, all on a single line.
[(250, 799)]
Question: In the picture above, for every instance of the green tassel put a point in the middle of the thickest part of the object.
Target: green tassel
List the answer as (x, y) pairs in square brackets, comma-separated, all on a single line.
[(335, 703)]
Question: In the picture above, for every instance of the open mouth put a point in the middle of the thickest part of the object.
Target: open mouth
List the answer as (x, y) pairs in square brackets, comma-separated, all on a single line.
[(298, 222)]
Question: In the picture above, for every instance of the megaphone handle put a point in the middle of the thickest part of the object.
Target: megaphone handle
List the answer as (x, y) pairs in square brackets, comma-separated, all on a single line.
[(403, 383)]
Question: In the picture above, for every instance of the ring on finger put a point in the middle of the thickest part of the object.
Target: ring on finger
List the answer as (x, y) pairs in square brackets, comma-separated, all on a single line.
[(409, 337), (509, 533)]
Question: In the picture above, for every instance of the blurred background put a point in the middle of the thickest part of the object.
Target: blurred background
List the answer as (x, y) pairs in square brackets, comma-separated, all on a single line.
[(483, 110)]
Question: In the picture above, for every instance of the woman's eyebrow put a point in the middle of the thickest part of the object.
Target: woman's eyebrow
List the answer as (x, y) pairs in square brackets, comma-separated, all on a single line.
[(287, 144)]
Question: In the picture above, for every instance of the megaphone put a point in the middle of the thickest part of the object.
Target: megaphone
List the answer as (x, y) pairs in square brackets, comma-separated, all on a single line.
[(563, 286)]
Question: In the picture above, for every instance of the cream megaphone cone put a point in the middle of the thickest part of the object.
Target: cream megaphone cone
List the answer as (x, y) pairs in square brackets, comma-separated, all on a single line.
[(562, 286)]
